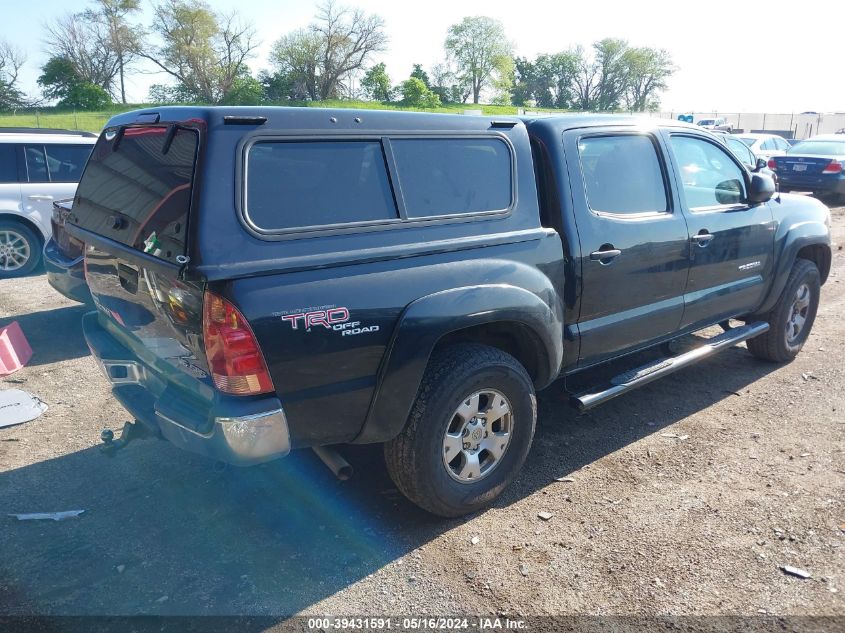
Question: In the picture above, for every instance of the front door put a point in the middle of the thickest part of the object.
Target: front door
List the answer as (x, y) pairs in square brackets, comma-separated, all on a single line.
[(634, 241), (731, 241)]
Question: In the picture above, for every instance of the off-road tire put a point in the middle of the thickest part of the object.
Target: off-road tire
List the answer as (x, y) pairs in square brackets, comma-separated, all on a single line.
[(33, 242), (415, 457), (773, 345)]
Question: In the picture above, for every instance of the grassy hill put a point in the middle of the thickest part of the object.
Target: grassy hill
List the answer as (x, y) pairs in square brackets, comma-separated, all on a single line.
[(94, 121)]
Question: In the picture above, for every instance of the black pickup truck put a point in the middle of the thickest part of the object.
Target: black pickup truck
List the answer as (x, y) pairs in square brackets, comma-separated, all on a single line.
[(276, 278)]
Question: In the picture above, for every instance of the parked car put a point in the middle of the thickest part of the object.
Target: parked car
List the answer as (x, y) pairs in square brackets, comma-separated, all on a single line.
[(37, 166), (715, 124), (816, 164), (277, 278), (765, 145), (746, 156)]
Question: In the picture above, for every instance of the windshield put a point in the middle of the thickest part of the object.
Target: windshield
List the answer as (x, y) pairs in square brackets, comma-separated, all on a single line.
[(821, 148), (136, 189), (706, 122)]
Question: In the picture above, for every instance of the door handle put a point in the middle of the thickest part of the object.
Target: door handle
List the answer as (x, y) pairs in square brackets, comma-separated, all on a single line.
[(40, 197), (703, 239), (603, 256)]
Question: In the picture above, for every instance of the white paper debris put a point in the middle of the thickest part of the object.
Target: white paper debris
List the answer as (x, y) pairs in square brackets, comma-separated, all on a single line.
[(52, 516), (18, 406)]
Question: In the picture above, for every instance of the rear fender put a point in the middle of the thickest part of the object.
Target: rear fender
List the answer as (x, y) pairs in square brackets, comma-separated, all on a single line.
[(428, 319)]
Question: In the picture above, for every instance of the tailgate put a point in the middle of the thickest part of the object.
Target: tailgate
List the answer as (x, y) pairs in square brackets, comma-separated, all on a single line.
[(133, 206)]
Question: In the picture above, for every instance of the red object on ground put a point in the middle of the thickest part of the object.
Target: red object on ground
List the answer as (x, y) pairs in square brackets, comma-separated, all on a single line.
[(15, 352)]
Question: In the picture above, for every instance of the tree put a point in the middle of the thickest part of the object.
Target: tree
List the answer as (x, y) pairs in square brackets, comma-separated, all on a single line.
[(420, 74), (376, 83), (275, 87), (204, 51), (447, 85), (60, 80), (246, 90), (85, 44), (480, 49), (415, 94), (648, 70), (613, 73), (297, 58), (335, 46), (124, 39), (12, 60)]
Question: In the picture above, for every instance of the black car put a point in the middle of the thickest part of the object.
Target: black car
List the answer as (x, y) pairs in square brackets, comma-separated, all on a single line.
[(275, 278), (816, 164)]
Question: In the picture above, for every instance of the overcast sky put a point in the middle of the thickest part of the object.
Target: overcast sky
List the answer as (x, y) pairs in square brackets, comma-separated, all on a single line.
[(732, 56)]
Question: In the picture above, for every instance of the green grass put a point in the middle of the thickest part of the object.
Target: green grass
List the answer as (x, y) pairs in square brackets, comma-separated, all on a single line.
[(94, 121)]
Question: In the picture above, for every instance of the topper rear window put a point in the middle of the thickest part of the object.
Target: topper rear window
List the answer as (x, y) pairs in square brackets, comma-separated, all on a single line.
[(136, 188)]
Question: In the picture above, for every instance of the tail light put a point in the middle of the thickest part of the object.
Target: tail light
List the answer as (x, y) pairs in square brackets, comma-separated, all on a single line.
[(833, 167), (234, 358), (772, 164)]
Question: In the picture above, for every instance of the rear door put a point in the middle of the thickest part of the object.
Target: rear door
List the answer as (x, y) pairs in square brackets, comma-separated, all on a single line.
[(634, 241), (133, 206), (52, 173), (731, 241)]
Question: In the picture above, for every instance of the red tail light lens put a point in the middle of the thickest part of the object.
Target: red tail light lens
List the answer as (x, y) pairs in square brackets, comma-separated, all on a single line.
[(833, 167), (234, 358), (772, 164)]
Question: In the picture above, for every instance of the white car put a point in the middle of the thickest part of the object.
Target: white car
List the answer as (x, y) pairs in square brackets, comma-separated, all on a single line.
[(37, 166), (718, 124), (765, 145)]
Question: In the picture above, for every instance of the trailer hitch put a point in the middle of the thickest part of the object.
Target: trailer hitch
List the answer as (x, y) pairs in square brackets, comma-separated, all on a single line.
[(131, 431)]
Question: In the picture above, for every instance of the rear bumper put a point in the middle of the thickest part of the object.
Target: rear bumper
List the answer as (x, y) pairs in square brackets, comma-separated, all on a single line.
[(239, 431), (817, 184), (64, 274)]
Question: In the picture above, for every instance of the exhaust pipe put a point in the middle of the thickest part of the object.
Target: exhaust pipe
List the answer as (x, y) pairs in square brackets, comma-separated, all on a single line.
[(334, 460)]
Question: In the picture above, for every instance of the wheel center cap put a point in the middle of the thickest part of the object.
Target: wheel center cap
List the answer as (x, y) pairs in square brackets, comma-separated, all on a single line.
[(476, 435)]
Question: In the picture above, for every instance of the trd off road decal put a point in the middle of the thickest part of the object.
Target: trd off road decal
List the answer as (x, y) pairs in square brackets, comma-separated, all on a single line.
[(330, 317)]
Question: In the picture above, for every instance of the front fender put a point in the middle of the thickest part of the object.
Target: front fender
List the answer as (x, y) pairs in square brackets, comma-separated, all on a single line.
[(428, 319), (802, 221)]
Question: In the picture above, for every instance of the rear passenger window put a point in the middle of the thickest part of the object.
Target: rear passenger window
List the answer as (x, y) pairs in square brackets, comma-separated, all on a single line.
[(450, 176), (622, 174), (36, 163), (8, 163), (296, 184), (66, 162)]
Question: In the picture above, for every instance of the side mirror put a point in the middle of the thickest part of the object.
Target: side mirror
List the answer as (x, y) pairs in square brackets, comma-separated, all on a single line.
[(762, 163), (761, 188)]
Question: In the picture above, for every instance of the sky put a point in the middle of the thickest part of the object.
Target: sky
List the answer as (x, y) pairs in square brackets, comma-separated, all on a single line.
[(732, 56)]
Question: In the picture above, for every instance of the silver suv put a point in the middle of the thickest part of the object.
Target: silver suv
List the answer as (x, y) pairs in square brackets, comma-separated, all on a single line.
[(37, 166)]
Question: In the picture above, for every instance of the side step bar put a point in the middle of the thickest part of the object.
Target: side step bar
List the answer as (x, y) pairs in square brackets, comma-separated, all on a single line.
[(657, 369)]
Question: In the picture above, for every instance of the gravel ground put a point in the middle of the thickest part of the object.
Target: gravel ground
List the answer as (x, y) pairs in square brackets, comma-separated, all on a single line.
[(683, 498)]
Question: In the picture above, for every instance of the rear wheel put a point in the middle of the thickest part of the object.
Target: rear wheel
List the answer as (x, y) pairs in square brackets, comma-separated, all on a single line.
[(791, 320), (469, 431), (20, 249)]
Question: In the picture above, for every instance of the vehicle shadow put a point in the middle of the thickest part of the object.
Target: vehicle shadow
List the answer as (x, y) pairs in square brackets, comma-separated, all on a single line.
[(165, 533), (54, 335)]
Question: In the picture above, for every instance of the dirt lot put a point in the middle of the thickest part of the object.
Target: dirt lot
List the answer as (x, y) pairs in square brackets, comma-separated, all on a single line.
[(686, 497)]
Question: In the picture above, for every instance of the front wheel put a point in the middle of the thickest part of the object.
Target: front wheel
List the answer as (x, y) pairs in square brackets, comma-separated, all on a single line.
[(791, 320), (468, 433)]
